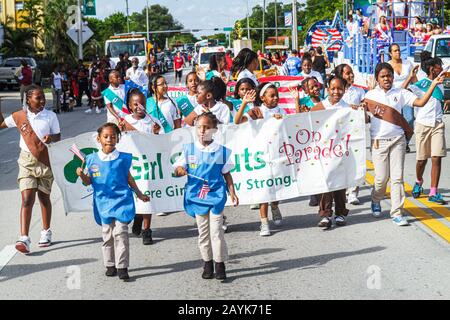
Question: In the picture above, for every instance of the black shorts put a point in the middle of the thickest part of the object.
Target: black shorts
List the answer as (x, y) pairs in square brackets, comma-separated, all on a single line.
[(178, 74)]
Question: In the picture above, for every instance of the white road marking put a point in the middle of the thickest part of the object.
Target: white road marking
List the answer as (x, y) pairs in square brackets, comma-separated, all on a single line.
[(12, 142), (6, 255), (6, 161)]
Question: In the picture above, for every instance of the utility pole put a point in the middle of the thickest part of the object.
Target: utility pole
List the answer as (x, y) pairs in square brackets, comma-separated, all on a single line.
[(80, 31), (263, 24), (276, 23), (248, 23), (294, 26), (148, 27), (128, 15)]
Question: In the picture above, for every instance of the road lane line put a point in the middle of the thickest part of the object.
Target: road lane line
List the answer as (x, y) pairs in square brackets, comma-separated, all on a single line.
[(427, 219), (6, 255)]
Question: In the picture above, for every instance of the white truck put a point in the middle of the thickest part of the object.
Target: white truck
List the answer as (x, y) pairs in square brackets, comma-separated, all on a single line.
[(136, 46)]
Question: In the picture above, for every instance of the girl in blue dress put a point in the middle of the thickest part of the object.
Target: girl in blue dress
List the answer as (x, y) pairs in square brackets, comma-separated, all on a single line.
[(207, 165), (109, 175)]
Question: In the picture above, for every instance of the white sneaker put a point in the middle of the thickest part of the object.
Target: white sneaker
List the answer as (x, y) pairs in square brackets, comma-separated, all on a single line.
[(400, 221), (97, 110), (23, 244), (161, 214), (265, 230), (46, 238), (88, 111), (352, 199), (276, 216)]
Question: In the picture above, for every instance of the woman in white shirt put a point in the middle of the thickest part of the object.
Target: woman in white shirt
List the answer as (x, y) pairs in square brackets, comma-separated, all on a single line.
[(56, 79), (402, 69), (388, 140)]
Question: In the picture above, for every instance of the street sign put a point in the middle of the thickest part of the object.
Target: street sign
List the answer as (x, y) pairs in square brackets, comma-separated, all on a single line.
[(229, 29), (73, 34), (89, 8), (299, 28)]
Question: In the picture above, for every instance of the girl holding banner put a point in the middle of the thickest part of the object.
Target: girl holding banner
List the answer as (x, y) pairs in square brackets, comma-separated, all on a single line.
[(207, 165), (244, 97), (161, 108), (388, 129), (429, 128)]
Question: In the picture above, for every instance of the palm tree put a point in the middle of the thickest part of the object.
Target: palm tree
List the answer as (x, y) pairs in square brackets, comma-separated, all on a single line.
[(18, 42), (33, 18)]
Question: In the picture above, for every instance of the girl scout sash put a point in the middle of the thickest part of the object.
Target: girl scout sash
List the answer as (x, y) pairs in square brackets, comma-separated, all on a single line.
[(306, 101), (386, 113), (154, 111), (184, 105), (425, 84), (116, 101), (37, 148)]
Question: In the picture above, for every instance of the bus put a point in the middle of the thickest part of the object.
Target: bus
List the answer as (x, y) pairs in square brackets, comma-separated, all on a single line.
[(135, 45)]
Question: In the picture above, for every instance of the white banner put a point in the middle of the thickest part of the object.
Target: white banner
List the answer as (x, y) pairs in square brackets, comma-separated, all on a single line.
[(303, 154)]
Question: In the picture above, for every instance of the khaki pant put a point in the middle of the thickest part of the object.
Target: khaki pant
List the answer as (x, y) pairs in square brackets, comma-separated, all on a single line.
[(116, 245), (33, 174), (389, 161), (430, 141), (211, 239)]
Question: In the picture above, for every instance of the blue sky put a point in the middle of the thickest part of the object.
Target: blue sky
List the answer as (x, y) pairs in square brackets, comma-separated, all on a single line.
[(193, 14)]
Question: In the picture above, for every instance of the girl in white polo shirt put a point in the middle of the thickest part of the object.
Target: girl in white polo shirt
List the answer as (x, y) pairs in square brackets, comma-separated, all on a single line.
[(388, 140), (429, 129)]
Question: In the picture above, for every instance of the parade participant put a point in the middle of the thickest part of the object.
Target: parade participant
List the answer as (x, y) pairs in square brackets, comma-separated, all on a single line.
[(186, 104), (229, 59), (122, 67), (267, 106), (208, 99), (320, 62), (217, 65), (293, 64), (336, 90), (388, 129), (138, 120), (108, 171), (160, 107), (430, 128), (244, 97), (245, 63), (56, 82), (24, 75), (96, 93), (37, 127), (136, 74), (114, 97), (207, 165), (82, 75), (307, 71), (402, 69), (353, 96), (178, 63)]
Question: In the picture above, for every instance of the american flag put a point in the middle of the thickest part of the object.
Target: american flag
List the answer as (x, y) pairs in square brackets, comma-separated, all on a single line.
[(204, 191), (288, 19), (74, 149), (323, 34)]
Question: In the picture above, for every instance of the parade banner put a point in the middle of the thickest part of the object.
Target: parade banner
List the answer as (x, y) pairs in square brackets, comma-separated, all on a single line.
[(283, 83), (300, 155)]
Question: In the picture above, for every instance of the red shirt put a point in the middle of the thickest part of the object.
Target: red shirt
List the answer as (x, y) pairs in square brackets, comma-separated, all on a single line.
[(229, 62), (27, 74), (178, 62)]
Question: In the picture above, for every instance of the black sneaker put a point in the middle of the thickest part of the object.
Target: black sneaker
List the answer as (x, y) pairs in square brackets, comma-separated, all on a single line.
[(208, 270), (137, 225), (314, 200), (111, 271), (408, 149), (123, 274), (220, 271), (147, 237)]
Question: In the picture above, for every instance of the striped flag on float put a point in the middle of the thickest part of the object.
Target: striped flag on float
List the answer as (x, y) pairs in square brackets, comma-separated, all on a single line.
[(77, 152)]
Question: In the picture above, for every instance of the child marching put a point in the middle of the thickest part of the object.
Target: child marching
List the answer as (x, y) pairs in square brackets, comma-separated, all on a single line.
[(114, 97), (207, 165), (187, 104), (37, 127), (108, 171), (244, 97)]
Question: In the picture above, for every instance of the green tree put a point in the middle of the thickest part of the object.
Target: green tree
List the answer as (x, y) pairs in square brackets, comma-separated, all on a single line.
[(17, 41), (32, 18)]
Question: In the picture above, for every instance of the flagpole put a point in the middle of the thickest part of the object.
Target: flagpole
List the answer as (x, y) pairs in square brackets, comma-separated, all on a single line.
[(294, 26), (263, 25), (276, 23)]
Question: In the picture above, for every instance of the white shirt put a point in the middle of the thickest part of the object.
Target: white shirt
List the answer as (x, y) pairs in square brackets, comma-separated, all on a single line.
[(44, 123), (138, 76), (212, 147), (395, 98), (141, 125), (354, 95), (247, 74), (407, 66), (328, 106), (220, 110), (170, 113), (313, 73), (120, 92), (108, 157), (399, 8), (267, 112), (431, 113), (57, 80), (353, 27)]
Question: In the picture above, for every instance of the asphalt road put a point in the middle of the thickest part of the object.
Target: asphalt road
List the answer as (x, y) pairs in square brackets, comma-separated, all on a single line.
[(367, 259)]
